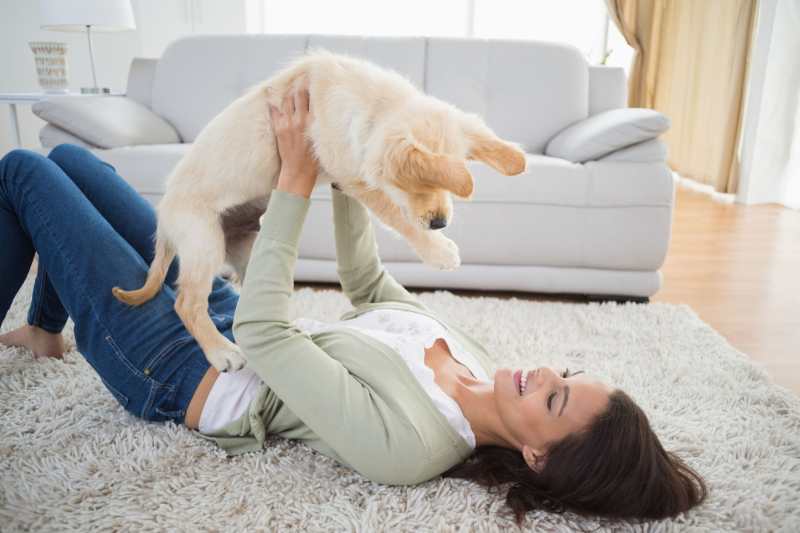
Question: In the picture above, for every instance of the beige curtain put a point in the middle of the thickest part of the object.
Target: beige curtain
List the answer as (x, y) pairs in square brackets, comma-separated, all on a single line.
[(691, 64)]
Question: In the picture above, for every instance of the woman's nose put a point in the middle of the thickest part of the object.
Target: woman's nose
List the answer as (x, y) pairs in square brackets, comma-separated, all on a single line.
[(546, 374)]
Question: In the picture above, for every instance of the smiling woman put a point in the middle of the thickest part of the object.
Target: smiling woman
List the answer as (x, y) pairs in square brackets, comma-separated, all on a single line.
[(585, 448)]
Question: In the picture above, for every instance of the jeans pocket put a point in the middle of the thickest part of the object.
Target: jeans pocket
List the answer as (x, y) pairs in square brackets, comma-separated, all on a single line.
[(165, 403), (167, 400), (155, 363), (165, 407)]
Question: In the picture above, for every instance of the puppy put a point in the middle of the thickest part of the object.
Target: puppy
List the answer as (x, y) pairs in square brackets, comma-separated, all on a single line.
[(398, 151)]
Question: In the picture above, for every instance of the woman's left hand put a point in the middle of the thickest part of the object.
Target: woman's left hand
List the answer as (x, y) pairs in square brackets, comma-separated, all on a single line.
[(299, 166)]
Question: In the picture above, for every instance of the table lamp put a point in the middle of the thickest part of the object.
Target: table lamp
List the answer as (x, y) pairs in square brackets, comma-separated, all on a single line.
[(89, 15)]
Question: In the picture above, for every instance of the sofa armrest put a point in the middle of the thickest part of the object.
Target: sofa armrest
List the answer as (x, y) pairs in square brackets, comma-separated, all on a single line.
[(106, 121), (606, 132)]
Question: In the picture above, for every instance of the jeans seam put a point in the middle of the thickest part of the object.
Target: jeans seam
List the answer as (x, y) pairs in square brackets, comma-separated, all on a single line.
[(89, 298), (115, 392), (149, 402), (38, 307)]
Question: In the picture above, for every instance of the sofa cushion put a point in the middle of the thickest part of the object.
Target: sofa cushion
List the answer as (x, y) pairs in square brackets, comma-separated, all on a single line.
[(106, 121), (145, 167), (405, 55), (50, 136), (602, 214), (607, 132), (198, 76), (526, 91), (547, 180), (599, 234), (643, 152)]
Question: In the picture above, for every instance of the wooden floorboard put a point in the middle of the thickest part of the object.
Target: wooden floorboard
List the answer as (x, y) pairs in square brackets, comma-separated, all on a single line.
[(738, 268)]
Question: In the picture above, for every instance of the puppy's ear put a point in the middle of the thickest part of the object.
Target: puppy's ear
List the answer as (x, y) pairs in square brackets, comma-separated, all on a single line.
[(437, 171), (485, 146)]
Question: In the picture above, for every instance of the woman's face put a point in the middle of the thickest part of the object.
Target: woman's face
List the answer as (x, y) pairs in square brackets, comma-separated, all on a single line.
[(552, 405)]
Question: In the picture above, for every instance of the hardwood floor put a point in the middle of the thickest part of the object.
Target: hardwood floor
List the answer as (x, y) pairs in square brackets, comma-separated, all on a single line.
[(738, 268)]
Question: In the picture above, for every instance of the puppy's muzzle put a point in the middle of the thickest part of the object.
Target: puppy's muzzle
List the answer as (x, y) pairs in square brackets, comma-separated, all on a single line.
[(438, 223)]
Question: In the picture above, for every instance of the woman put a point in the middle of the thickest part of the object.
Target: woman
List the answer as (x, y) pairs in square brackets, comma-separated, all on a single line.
[(390, 390)]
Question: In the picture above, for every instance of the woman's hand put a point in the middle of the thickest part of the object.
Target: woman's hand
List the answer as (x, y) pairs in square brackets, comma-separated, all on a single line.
[(299, 166)]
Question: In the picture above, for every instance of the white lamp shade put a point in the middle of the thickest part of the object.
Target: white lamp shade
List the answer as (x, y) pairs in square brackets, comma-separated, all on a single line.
[(75, 15)]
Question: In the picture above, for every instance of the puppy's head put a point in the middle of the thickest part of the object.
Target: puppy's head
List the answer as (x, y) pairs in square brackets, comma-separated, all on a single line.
[(424, 160)]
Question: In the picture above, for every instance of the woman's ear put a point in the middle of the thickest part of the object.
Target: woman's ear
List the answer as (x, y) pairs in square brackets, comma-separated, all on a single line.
[(535, 459)]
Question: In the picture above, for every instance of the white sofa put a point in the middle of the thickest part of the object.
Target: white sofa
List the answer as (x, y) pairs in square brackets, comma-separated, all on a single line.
[(598, 225)]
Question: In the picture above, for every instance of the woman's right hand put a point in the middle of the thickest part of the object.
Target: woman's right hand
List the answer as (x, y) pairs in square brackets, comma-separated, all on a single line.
[(299, 165)]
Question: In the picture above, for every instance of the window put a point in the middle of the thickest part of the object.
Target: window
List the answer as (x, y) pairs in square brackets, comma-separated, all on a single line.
[(582, 23)]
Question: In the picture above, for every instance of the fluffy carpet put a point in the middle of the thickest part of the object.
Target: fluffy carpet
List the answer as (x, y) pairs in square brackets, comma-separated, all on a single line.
[(72, 459)]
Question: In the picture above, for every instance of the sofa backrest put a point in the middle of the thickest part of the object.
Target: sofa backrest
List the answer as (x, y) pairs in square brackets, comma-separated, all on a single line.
[(527, 91)]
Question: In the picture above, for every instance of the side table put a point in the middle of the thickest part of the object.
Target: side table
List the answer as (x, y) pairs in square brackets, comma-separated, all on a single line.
[(13, 99)]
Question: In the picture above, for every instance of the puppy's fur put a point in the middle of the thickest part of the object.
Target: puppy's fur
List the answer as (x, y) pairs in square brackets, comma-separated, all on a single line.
[(400, 152)]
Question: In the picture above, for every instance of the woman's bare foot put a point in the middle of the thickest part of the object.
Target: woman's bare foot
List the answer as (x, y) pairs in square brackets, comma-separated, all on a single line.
[(42, 343)]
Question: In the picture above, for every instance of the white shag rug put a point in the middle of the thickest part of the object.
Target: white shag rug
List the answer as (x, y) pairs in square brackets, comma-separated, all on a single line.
[(71, 459)]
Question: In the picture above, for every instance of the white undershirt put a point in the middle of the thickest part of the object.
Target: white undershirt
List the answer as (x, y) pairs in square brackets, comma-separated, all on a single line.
[(408, 333)]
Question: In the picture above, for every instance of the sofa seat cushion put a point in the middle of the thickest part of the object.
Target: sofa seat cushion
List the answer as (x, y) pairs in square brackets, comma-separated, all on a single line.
[(51, 136), (547, 181), (145, 167), (617, 238), (600, 215)]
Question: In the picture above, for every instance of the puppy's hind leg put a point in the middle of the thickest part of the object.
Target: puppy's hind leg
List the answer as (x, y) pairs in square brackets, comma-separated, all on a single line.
[(202, 254)]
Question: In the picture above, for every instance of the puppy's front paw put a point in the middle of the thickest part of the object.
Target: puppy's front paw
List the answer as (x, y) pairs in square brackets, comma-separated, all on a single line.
[(439, 252), (227, 359)]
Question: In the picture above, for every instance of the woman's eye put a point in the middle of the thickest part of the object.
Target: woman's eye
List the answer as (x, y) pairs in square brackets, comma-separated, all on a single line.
[(565, 374), (550, 401)]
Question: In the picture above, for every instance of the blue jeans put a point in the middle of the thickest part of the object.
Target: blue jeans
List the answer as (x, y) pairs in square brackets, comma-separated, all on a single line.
[(92, 232)]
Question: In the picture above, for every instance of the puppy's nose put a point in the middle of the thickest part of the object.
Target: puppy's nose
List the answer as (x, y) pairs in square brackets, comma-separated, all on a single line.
[(438, 223)]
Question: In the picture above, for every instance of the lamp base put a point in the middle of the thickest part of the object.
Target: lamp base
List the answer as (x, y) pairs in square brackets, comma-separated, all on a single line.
[(95, 90)]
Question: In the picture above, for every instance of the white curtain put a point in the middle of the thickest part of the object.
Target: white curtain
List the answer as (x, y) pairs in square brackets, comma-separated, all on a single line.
[(771, 144), (790, 178)]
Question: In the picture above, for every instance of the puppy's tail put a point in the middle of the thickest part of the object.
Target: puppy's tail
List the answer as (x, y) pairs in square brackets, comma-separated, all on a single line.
[(155, 276)]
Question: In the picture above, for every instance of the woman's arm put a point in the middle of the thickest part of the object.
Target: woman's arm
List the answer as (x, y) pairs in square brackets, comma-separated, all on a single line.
[(364, 279), (339, 408)]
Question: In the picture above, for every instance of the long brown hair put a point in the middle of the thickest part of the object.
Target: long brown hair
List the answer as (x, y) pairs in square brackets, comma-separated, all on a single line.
[(615, 468)]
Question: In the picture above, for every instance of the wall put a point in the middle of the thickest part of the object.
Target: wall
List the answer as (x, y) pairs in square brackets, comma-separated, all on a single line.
[(158, 22), (19, 24)]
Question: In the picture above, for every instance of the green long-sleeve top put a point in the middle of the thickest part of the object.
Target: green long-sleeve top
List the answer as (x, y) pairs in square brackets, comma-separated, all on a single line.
[(341, 392)]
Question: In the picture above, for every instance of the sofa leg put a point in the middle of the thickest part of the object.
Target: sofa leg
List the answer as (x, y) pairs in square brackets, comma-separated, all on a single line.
[(617, 298)]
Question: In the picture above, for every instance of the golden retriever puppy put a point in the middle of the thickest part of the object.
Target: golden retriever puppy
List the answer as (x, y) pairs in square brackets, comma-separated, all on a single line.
[(400, 152)]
